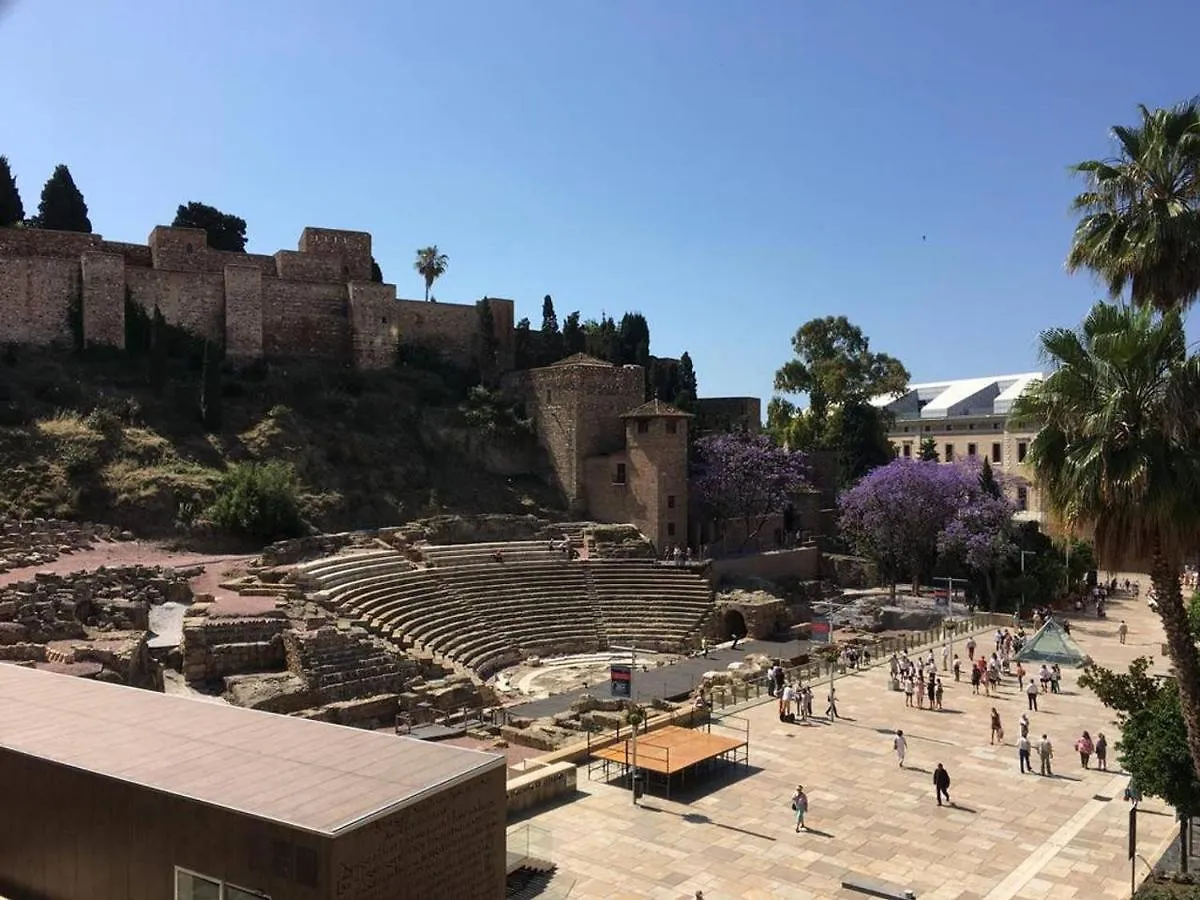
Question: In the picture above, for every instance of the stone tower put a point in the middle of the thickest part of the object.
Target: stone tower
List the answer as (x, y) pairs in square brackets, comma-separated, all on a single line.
[(656, 443)]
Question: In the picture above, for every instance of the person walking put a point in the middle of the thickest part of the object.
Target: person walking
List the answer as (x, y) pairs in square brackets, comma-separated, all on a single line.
[(1031, 691), (1023, 724), (1085, 747), (971, 649), (939, 693), (1122, 631), (1023, 754), (909, 687), (957, 668), (1020, 676), (800, 807), (931, 688), (831, 710), (975, 679), (900, 745), (997, 729), (941, 783), (1045, 754), (1101, 752)]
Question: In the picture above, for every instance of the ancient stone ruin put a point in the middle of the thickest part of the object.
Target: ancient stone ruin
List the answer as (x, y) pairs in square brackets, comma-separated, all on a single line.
[(38, 542)]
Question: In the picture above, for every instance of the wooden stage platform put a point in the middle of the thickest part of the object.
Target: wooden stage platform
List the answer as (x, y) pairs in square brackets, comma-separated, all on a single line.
[(672, 753)]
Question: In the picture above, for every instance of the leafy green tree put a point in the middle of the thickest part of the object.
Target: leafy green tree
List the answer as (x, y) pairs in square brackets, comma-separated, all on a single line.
[(1193, 612), (1154, 746), (260, 501), (600, 338), (835, 366), (633, 341), (929, 450), (223, 231), (1140, 223), (62, 207), (574, 340), (685, 398), (1117, 449), (431, 265), (12, 211)]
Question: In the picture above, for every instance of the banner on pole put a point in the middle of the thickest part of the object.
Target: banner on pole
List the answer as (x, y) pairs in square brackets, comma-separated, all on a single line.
[(819, 632), (620, 680)]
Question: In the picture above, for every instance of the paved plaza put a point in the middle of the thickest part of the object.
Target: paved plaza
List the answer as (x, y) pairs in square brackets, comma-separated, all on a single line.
[(1008, 836)]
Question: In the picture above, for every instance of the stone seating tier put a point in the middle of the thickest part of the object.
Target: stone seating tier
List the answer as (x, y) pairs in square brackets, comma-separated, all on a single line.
[(447, 555), (315, 568), (356, 568)]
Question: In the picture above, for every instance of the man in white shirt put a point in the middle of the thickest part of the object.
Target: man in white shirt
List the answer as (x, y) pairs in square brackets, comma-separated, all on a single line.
[(1023, 754), (1045, 754), (900, 745)]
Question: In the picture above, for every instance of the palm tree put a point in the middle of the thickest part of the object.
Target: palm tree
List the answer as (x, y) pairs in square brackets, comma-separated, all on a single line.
[(1141, 210), (1117, 449), (431, 265)]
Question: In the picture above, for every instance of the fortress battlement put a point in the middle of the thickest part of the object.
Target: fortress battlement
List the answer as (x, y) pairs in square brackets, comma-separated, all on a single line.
[(316, 301)]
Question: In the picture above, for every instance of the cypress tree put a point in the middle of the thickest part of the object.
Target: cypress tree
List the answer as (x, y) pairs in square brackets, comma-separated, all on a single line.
[(686, 398), (489, 346), (573, 337), (210, 389), (12, 211), (63, 207), (158, 351), (376, 272)]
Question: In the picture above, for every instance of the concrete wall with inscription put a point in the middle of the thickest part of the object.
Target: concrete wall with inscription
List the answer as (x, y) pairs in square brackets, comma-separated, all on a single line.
[(451, 845)]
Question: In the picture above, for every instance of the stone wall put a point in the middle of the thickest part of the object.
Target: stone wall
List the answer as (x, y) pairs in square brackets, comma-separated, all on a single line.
[(214, 648), (803, 563), (317, 301), (541, 785), (724, 414), (56, 607), (453, 328), (36, 542)]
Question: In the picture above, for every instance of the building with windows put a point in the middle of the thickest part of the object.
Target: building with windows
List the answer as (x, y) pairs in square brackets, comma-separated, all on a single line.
[(968, 417), (113, 792)]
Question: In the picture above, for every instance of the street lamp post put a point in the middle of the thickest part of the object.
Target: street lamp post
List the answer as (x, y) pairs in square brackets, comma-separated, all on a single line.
[(950, 606), (635, 723), (1024, 553)]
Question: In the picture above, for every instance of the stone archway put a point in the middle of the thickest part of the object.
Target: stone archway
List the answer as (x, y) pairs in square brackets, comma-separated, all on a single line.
[(733, 623)]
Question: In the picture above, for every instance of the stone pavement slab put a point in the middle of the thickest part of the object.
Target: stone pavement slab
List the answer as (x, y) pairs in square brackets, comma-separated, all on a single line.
[(1007, 836)]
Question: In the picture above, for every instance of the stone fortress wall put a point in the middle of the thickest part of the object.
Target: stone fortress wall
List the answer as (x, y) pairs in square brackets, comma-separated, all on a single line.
[(317, 301)]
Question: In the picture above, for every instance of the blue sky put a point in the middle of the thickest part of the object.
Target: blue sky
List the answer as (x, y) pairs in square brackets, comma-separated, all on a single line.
[(729, 169)]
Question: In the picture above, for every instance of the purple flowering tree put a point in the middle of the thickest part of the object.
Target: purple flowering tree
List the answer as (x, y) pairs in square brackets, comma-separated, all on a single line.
[(980, 534), (895, 514), (747, 478)]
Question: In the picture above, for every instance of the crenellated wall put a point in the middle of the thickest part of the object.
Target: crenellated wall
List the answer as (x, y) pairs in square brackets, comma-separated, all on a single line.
[(317, 301)]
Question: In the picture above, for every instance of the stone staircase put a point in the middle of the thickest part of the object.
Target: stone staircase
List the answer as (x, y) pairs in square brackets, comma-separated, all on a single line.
[(340, 666)]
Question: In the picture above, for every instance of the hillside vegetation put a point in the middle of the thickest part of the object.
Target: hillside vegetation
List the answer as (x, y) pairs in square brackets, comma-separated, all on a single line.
[(84, 435)]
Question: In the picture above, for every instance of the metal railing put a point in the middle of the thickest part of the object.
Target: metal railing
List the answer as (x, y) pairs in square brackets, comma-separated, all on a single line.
[(753, 689)]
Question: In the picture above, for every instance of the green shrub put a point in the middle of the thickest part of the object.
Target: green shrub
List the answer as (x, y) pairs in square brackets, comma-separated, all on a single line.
[(259, 500)]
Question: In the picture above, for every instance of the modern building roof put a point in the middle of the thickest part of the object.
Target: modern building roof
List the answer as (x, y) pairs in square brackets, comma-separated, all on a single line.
[(983, 396), (655, 407), (322, 778)]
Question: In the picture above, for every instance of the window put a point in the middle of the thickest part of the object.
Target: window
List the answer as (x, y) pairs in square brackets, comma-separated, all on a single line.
[(906, 429), (670, 529), (970, 449), (672, 426), (996, 452), (926, 427), (949, 426), (1022, 498), (949, 453), (619, 478), (971, 427), (643, 426), (1022, 449), (907, 450), (549, 396), (190, 886), (670, 501), (995, 426)]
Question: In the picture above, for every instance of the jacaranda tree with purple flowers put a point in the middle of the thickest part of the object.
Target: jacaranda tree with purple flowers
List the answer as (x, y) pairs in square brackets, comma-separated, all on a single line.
[(747, 478), (903, 515)]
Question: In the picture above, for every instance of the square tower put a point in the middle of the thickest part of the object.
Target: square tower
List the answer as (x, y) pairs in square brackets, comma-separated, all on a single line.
[(656, 447)]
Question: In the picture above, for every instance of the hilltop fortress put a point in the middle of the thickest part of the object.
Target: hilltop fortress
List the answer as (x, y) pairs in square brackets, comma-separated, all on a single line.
[(317, 301)]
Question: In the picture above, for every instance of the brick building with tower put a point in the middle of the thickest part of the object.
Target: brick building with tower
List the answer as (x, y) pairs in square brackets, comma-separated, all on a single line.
[(615, 456)]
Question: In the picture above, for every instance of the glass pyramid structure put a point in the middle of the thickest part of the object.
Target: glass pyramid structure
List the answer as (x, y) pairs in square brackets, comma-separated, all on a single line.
[(1052, 645)]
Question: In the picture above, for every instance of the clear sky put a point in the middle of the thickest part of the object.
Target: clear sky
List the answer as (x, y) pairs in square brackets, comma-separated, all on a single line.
[(730, 169)]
